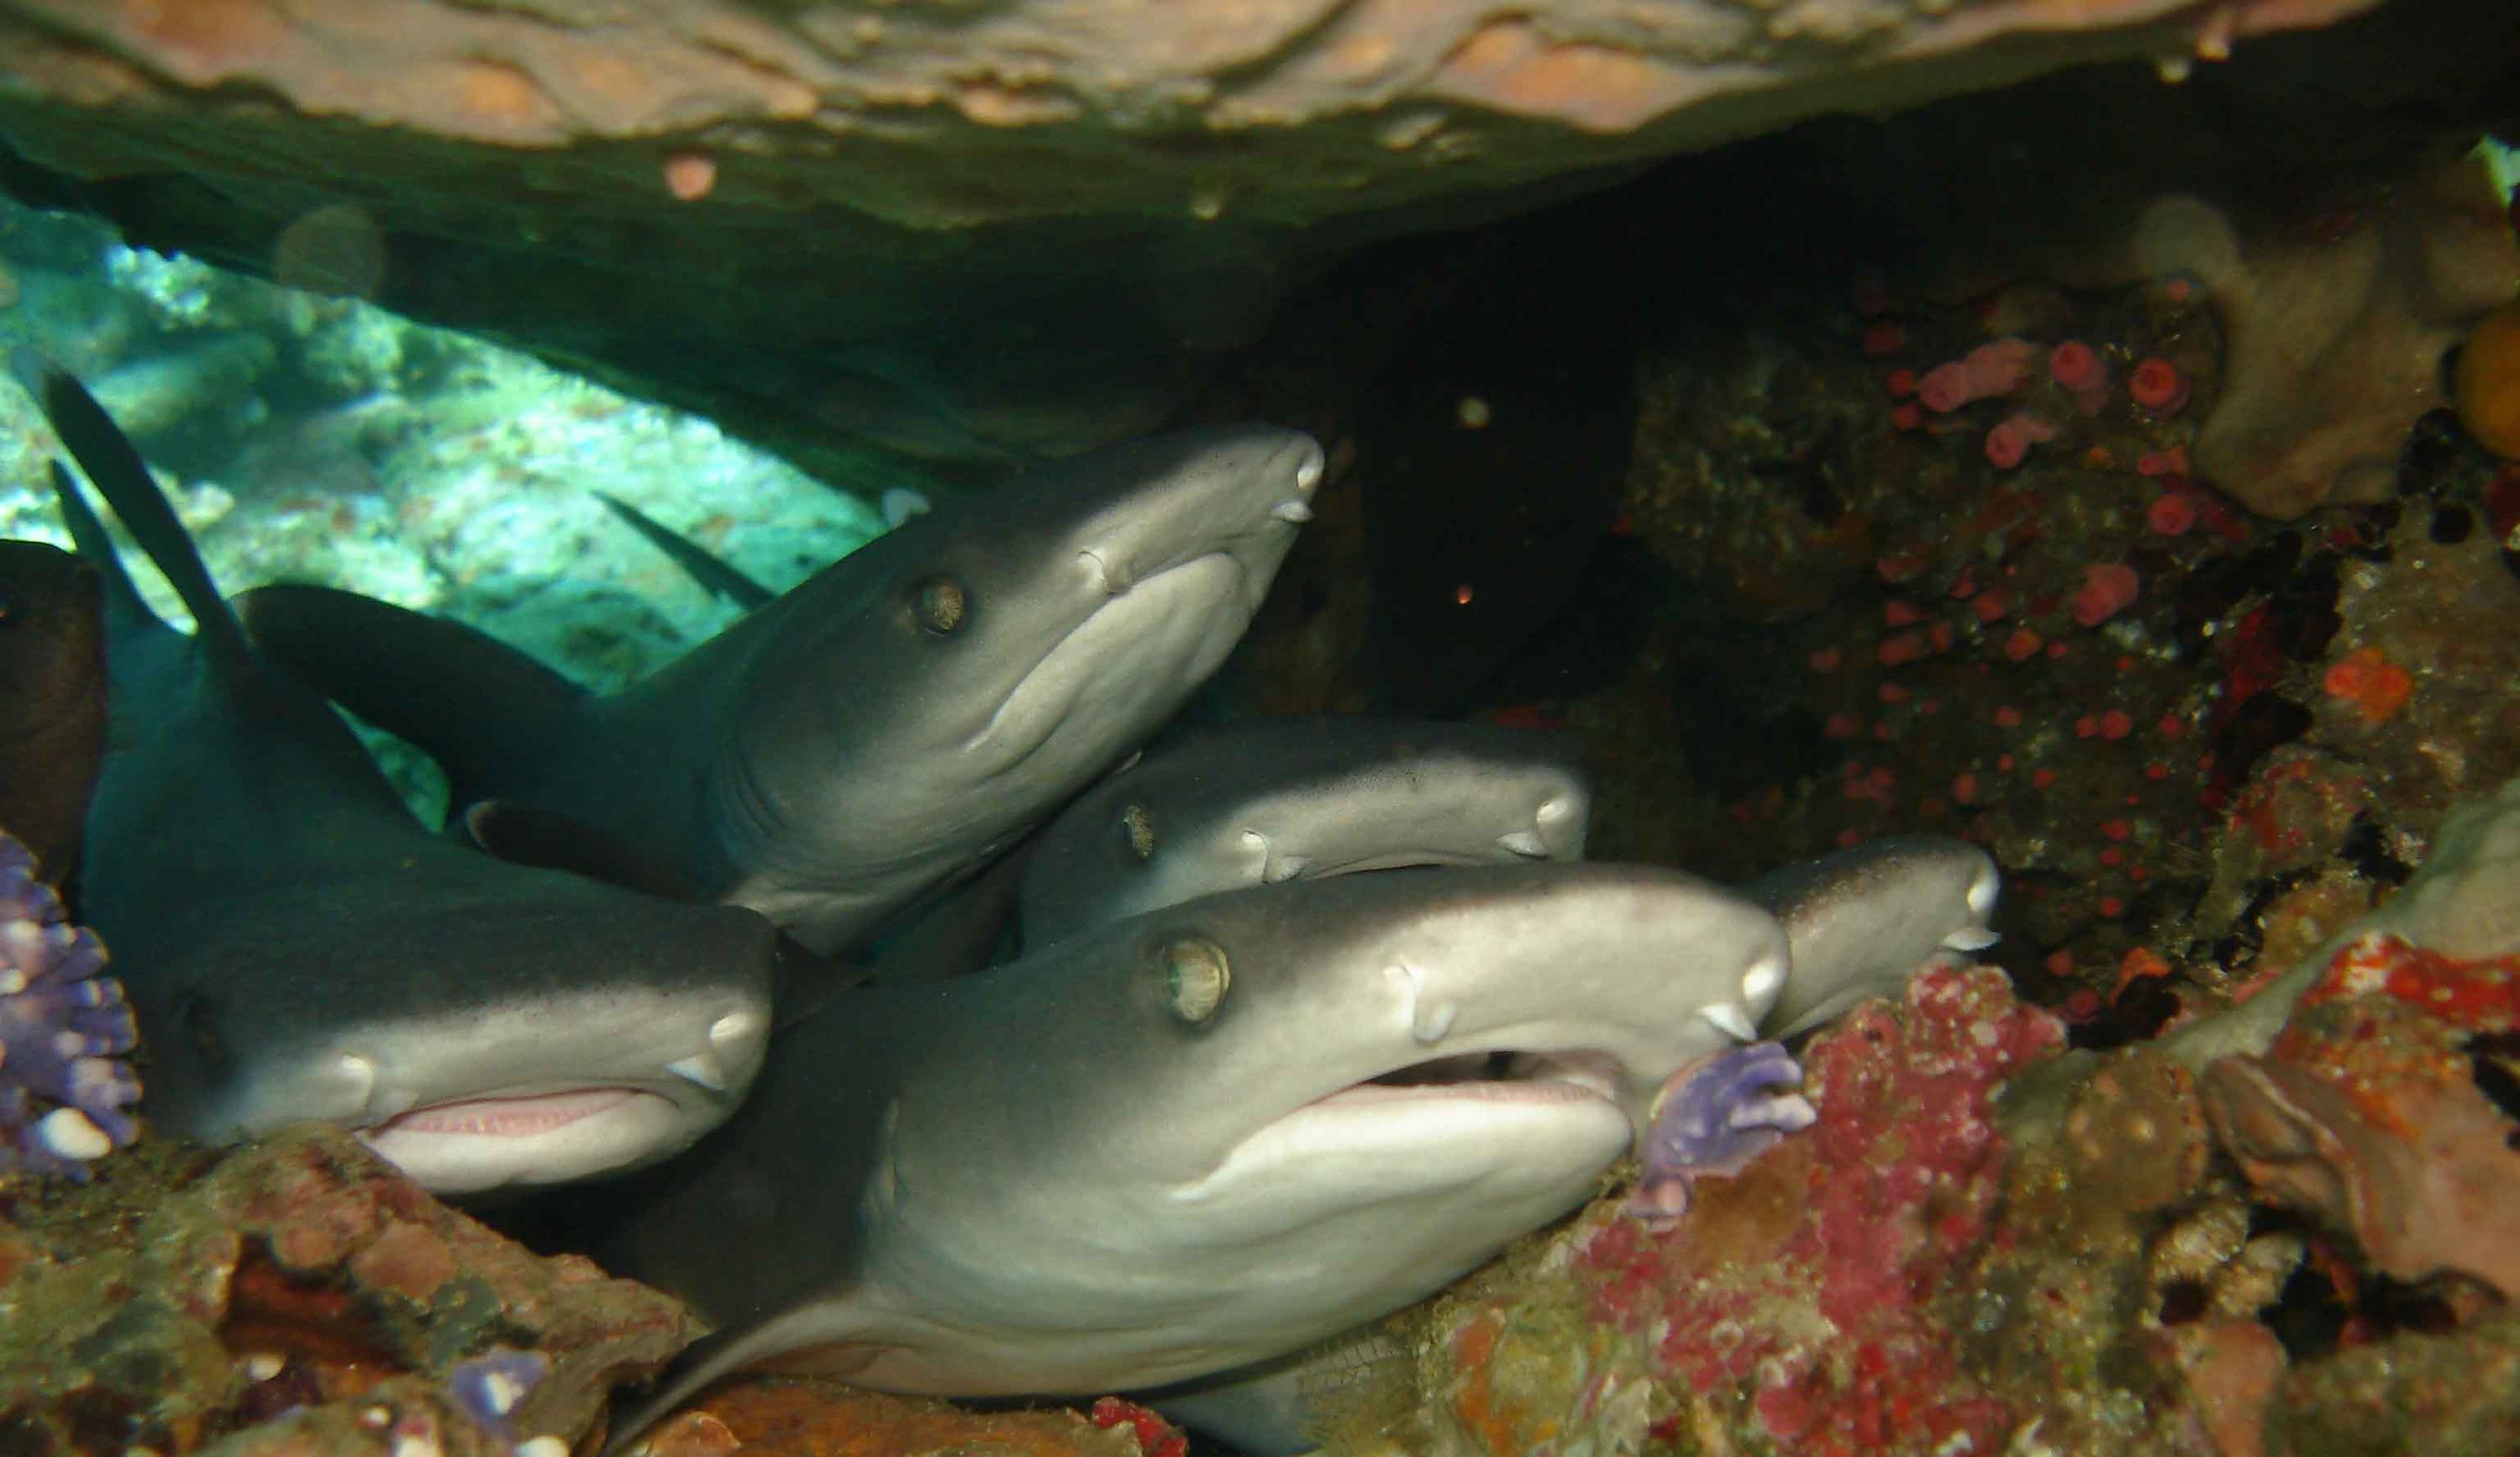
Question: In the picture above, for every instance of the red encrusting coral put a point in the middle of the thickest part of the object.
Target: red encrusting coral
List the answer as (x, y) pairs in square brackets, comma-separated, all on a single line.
[(1807, 1286), (2157, 385), (1996, 368), (2108, 588), (2366, 679), (1155, 1436), (2478, 995)]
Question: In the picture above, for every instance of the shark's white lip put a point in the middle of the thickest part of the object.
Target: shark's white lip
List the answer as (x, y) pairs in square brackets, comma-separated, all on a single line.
[(1549, 1100), (467, 1145), (1437, 1093), (508, 1115), (1409, 859)]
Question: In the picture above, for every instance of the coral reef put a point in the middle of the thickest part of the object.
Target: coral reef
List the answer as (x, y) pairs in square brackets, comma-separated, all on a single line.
[(66, 1089), (1819, 1300), (2124, 525), (2369, 1111), (298, 1295), (776, 1415), (2336, 333), (189, 1295)]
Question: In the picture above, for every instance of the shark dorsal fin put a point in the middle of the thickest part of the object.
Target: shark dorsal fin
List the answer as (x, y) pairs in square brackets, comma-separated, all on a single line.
[(469, 700), (715, 574), (115, 468), (125, 612)]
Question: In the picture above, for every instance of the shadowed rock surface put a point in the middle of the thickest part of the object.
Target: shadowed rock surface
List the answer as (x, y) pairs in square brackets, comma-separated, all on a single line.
[(799, 215)]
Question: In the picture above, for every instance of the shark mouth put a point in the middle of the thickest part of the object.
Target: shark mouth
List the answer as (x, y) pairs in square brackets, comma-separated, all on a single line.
[(467, 1145), (1437, 1123), (525, 1116), (1491, 1077)]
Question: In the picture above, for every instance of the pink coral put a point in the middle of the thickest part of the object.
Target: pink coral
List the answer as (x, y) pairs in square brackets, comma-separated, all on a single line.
[(2009, 442), (1807, 1283), (2108, 589), (1991, 369), (2159, 386)]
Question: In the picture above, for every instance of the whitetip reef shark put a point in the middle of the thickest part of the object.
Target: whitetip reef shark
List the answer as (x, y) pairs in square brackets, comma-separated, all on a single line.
[(1273, 799), (297, 945), (898, 718), (1865, 919), (1193, 1140)]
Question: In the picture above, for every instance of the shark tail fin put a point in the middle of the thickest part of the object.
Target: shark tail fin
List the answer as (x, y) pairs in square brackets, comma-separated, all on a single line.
[(471, 702), (114, 466), (716, 577), (125, 612)]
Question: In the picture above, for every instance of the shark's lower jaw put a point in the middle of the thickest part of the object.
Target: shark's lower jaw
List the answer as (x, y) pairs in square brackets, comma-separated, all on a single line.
[(469, 1145), (1464, 1121)]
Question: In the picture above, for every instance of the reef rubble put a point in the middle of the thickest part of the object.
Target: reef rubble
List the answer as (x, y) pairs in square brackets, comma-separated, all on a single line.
[(298, 1295)]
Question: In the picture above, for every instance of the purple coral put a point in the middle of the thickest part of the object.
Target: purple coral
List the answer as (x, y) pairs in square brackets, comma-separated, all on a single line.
[(490, 1385), (62, 1030), (1714, 1116)]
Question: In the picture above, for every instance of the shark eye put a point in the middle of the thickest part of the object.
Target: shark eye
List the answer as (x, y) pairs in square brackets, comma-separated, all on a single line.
[(1194, 979), (9, 604), (1138, 832), (939, 606)]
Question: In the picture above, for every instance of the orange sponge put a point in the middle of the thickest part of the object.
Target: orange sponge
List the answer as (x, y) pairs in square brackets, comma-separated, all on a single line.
[(2487, 382)]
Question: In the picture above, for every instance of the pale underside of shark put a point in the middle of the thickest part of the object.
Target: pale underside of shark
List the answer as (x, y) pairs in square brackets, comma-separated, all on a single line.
[(897, 719)]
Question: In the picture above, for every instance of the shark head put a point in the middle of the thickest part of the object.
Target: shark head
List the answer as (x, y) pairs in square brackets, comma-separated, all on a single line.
[(479, 1040), (984, 660), (1279, 799), (1865, 919), (1212, 1134)]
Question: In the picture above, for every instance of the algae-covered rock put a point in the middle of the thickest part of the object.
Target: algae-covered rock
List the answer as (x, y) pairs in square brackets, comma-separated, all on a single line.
[(185, 1295)]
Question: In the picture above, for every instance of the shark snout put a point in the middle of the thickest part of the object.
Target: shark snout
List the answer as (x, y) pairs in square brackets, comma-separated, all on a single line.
[(1555, 831), (464, 1108), (1613, 990), (1239, 491)]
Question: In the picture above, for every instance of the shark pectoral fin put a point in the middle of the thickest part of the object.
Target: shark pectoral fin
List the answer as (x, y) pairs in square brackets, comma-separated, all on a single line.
[(838, 1360), (810, 1340), (469, 700), (523, 834)]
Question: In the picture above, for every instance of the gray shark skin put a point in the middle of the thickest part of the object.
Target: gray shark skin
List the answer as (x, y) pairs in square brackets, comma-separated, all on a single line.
[(1865, 919), (297, 946), (1284, 799), (897, 717), (1192, 1141)]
